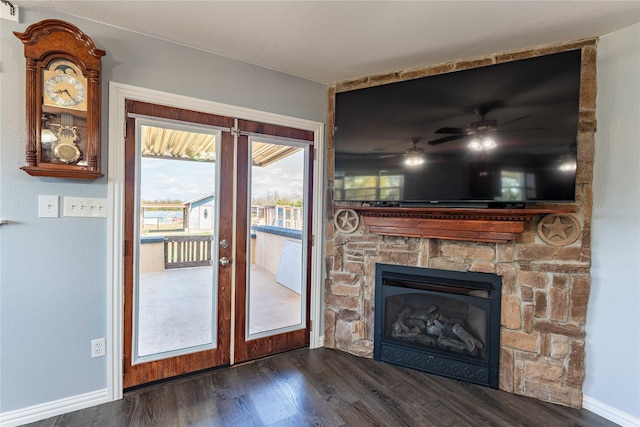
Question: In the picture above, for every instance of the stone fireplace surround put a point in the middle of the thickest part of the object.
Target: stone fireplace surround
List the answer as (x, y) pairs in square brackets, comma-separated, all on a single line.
[(545, 288)]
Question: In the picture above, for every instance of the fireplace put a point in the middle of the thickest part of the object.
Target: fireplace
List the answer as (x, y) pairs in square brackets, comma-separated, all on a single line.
[(439, 321)]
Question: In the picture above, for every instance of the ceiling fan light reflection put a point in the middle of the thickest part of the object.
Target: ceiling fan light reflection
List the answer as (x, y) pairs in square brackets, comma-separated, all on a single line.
[(475, 145), (485, 144), (488, 143), (568, 166), (414, 160)]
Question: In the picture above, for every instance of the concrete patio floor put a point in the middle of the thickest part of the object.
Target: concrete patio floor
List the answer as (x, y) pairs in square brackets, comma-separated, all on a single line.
[(176, 310)]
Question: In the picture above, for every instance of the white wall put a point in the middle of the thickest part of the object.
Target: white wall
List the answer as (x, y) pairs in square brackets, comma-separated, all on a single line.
[(53, 290), (612, 354)]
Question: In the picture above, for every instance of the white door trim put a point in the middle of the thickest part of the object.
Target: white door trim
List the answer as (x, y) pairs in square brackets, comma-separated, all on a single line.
[(118, 93)]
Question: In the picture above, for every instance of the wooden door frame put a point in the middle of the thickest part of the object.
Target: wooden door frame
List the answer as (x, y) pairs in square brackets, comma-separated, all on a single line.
[(118, 93)]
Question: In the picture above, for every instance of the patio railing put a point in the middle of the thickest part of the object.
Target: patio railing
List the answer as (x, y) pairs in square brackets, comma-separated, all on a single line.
[(158, 253), (187, 251)]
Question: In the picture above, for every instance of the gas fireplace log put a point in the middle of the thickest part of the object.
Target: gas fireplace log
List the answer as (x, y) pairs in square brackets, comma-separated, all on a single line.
[(465, 337), (443, 318), (451, 344), (404, 314), (414, 323), (432, 330), (399, 329), (424, 315), (435, 328), (426, 340)]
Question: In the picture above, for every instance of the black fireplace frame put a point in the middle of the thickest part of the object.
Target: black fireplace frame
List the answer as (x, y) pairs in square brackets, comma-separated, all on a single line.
[(484, 372)]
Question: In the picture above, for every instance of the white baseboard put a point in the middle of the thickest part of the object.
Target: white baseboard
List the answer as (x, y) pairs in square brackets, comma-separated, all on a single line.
[(316, 340), (609, 412), (51, 409)]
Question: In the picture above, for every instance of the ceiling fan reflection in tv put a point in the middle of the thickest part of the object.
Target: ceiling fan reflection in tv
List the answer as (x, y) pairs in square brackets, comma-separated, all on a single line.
[(481, 133)]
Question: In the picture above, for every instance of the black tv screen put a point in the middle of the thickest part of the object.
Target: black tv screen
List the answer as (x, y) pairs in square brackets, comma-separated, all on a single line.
[(500, 135)]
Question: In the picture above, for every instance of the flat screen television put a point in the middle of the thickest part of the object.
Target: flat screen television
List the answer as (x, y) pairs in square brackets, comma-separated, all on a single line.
[(495, 136)]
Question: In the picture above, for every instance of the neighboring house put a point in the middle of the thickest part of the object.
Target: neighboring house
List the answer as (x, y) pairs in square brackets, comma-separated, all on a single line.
[(277, 216), (200, 213), (54, 280)]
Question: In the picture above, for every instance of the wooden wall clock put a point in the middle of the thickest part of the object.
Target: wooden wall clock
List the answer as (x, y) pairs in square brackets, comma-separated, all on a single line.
[(63, 101)]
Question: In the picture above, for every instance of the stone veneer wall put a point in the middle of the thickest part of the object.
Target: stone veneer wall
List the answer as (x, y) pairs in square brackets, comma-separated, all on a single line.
[(545, 288)]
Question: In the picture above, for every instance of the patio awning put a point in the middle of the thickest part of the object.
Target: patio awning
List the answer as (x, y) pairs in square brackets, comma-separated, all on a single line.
[(174, 144)]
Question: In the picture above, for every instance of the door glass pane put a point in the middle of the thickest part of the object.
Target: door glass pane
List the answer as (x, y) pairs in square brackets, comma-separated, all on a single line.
[(175, 279), (276, 286)]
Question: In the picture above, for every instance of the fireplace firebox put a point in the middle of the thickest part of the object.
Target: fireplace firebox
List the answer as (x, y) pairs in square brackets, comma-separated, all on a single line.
[(439, 321)]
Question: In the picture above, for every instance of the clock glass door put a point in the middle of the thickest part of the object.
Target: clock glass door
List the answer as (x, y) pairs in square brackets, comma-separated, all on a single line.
[(63, 134)]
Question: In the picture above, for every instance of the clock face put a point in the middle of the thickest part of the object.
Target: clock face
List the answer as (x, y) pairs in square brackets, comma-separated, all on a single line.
[(65, 90), (64, 86)]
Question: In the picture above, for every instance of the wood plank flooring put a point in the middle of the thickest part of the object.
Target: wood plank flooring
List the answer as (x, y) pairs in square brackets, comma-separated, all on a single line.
[(322, 387)]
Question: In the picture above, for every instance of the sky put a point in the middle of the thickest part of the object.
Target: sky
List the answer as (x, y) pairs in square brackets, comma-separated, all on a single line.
[(186, 180)]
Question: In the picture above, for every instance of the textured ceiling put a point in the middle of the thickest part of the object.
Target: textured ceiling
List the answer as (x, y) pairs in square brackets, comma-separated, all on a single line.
[(330, 41)]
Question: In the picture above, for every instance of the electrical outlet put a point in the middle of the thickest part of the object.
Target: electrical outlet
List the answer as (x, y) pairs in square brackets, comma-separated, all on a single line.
[(97, 348)]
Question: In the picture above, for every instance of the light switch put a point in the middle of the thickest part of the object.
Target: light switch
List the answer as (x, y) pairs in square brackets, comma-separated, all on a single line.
[(48, 206), (85, 206)]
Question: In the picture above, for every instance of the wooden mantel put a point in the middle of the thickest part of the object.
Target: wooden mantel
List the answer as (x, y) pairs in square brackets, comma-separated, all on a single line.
[(478, 225)]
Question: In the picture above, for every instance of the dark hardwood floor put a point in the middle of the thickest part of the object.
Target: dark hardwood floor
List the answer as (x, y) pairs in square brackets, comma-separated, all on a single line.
[(322, 387)]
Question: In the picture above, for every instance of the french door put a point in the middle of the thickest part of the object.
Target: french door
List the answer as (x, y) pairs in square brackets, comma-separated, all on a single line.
[(289, 313), (217, 247)]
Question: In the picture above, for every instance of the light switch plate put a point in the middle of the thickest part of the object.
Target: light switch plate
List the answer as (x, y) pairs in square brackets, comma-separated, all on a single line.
[(48, 206), (85, 206)]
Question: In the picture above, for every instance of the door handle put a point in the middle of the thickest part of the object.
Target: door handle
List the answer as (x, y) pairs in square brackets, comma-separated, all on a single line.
[(224, 261), (224, 243)]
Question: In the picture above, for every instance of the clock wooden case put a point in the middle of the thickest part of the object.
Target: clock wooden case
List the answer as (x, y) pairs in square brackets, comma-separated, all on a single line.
[(63, 101)]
